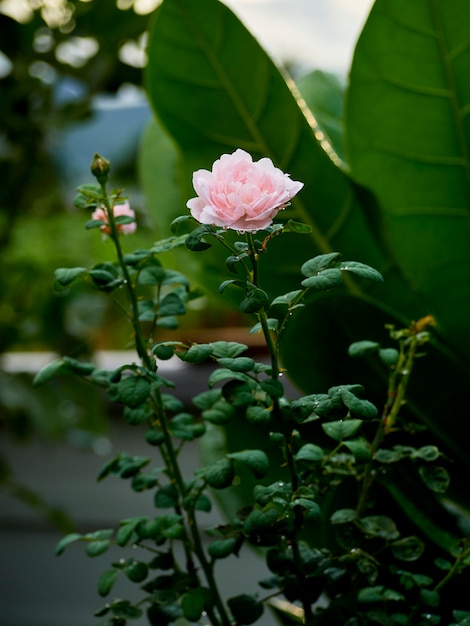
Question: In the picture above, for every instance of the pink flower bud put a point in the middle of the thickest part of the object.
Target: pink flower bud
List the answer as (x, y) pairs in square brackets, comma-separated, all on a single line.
[(118, 209), (241, 194)]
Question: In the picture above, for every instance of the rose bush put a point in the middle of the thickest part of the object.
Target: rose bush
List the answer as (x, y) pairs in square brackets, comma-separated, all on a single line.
[(119, 210), (240, 193)]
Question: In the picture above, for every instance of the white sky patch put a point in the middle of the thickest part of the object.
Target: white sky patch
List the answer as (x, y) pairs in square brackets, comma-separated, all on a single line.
[(318, 33)]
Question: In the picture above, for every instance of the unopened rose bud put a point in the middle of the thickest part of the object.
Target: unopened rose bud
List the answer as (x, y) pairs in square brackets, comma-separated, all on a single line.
[(100, 168)]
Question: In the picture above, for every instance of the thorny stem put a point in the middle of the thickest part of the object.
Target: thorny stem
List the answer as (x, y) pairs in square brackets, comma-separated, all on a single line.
[(273, 350), (169, 452), (397, 386), (139, 341), (456, 568)]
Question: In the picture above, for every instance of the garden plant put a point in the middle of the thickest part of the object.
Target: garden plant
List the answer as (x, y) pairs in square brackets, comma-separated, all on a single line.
[(354, 489)]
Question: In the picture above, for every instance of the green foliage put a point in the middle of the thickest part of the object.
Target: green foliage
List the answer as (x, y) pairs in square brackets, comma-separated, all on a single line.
[(229, 112), (319, 492)]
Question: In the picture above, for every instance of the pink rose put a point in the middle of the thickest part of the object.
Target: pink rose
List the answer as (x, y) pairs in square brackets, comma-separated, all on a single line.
[(119, 209), (241, 194)]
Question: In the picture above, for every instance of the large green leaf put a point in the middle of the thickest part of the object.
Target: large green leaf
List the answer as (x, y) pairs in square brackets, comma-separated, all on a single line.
[(324, 95), (408, 139), (215, 90)]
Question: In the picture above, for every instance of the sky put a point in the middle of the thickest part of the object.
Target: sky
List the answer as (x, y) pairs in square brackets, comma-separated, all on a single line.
[(316, 34), (319, 34)]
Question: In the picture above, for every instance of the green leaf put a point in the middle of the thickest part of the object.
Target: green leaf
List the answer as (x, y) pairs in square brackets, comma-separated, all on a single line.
[(197, 353), (256, 460), (357, 406), (246, 609), (152, 273), (436, 478), (272, 323), (159, 181), (259, 521), (203, 503), (429, 597), (324, 94), (318, 264), (427, 453), (408, 548), (131, 465), (154, 437), (360, 448), (207, 399), (136, 571), (183, 426), (67, 540), (222, 548), (341, 429), (124, 609), (166, 497), (272, 387), (170, 243), (379, 526), (362, 270), (171, 305), (296, 227), (172, 529), (310, 508), (65, 276), (239, 364), (408, 142), (363, 348), (389, 356), (169, 322), (61, 367), (238, 393), (309, 452), (194, 602), (221, 413), (254, 300), (51, 370), (142, 413), (443, 564), (388, 456), (378, 594), (326, 279), (258, 414), (106, 581), (126, 530), (90, 224), (461, 617), (195, 242), (95, 548), (227, 349), (219, 475), (287, 298), (131, 391), (344, 516), (221, 374)]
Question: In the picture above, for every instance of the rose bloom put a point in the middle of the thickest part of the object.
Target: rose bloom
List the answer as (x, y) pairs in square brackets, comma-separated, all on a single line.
[(241, 194), (118, 209)]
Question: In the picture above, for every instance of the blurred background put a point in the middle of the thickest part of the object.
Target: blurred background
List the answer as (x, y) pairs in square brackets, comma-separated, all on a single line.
[(70, 85)]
